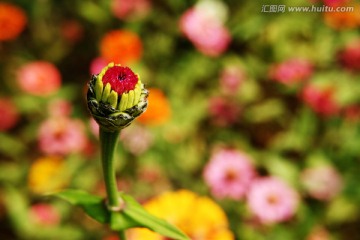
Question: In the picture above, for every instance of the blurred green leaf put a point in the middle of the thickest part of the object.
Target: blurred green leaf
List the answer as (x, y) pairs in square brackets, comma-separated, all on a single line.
[(11, 146), (342, 210), (265, 111), (17, 205), (93, 205), (283, 168), (135, 211)]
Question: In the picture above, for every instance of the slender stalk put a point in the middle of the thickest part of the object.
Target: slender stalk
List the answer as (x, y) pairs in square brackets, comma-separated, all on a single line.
[(108, 143), (122, 235)]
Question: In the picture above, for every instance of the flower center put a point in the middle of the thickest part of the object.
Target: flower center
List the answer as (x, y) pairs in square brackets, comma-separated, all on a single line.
[(121, 79), (230, 175), (272, 199)]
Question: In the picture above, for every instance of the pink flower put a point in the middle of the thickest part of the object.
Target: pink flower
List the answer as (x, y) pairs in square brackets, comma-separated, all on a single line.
[(9, 114), (39, 78), (61, 136), (60, 108), (321, 100), (231, 78), (229, 174), (223, 111), (291, 71), (136, 139), (350, 56), (94, 127), (97, 65), (124, 9), (205, 29), (271, 200), (322, 183), (44, 214)]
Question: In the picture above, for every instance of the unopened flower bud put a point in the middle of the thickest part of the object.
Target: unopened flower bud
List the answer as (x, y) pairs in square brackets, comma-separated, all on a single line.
[(116, 96)]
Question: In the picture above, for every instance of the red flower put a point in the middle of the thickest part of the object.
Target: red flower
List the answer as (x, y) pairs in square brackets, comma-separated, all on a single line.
[(320, 100), (9, 114), (121, 79), (223, 111), (350, 56)]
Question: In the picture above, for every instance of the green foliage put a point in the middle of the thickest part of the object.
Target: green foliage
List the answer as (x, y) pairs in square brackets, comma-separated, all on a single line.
[(131, 215)]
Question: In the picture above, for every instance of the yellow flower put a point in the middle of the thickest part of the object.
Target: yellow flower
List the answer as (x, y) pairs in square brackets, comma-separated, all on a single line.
[(198, 217), (46, 175)]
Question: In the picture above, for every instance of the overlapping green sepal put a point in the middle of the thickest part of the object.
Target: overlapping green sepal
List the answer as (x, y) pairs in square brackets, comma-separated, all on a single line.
[(111, 113)]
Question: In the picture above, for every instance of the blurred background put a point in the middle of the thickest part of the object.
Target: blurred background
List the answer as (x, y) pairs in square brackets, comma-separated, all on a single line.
[(252, 130)]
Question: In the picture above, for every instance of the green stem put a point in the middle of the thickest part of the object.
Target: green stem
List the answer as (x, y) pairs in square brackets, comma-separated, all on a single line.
[(122, 235), (108, 143)]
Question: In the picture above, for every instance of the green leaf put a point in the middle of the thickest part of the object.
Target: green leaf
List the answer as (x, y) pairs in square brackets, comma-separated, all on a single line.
[(133, 214), (120, 221), (17, 207), (93, 205), (10, 146), (136, 212)]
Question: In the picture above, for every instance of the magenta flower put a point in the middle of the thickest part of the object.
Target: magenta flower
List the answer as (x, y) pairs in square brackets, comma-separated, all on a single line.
[(321, 100), (9, 114), (39, 78), (44, 214), (206, 29), (271, 200), (291, 71), (61, 136), (97, 64), (229, 174), (223, 112), (231, 78), (350, 56), (322, 183)]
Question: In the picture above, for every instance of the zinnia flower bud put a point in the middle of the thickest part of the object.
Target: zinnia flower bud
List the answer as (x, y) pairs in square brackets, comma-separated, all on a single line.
[(116, 96)]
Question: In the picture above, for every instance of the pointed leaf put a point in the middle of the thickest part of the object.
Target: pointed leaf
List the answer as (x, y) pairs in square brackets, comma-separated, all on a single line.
[(136, 212), (120, 221), (93, 205)]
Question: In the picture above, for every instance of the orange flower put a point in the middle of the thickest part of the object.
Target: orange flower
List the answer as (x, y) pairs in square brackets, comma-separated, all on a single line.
[(12, 21), (121, 46), (341, 20), (158, 110)]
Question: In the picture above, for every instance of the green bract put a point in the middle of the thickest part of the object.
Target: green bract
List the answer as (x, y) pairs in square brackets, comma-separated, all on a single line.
[(111, 110)]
